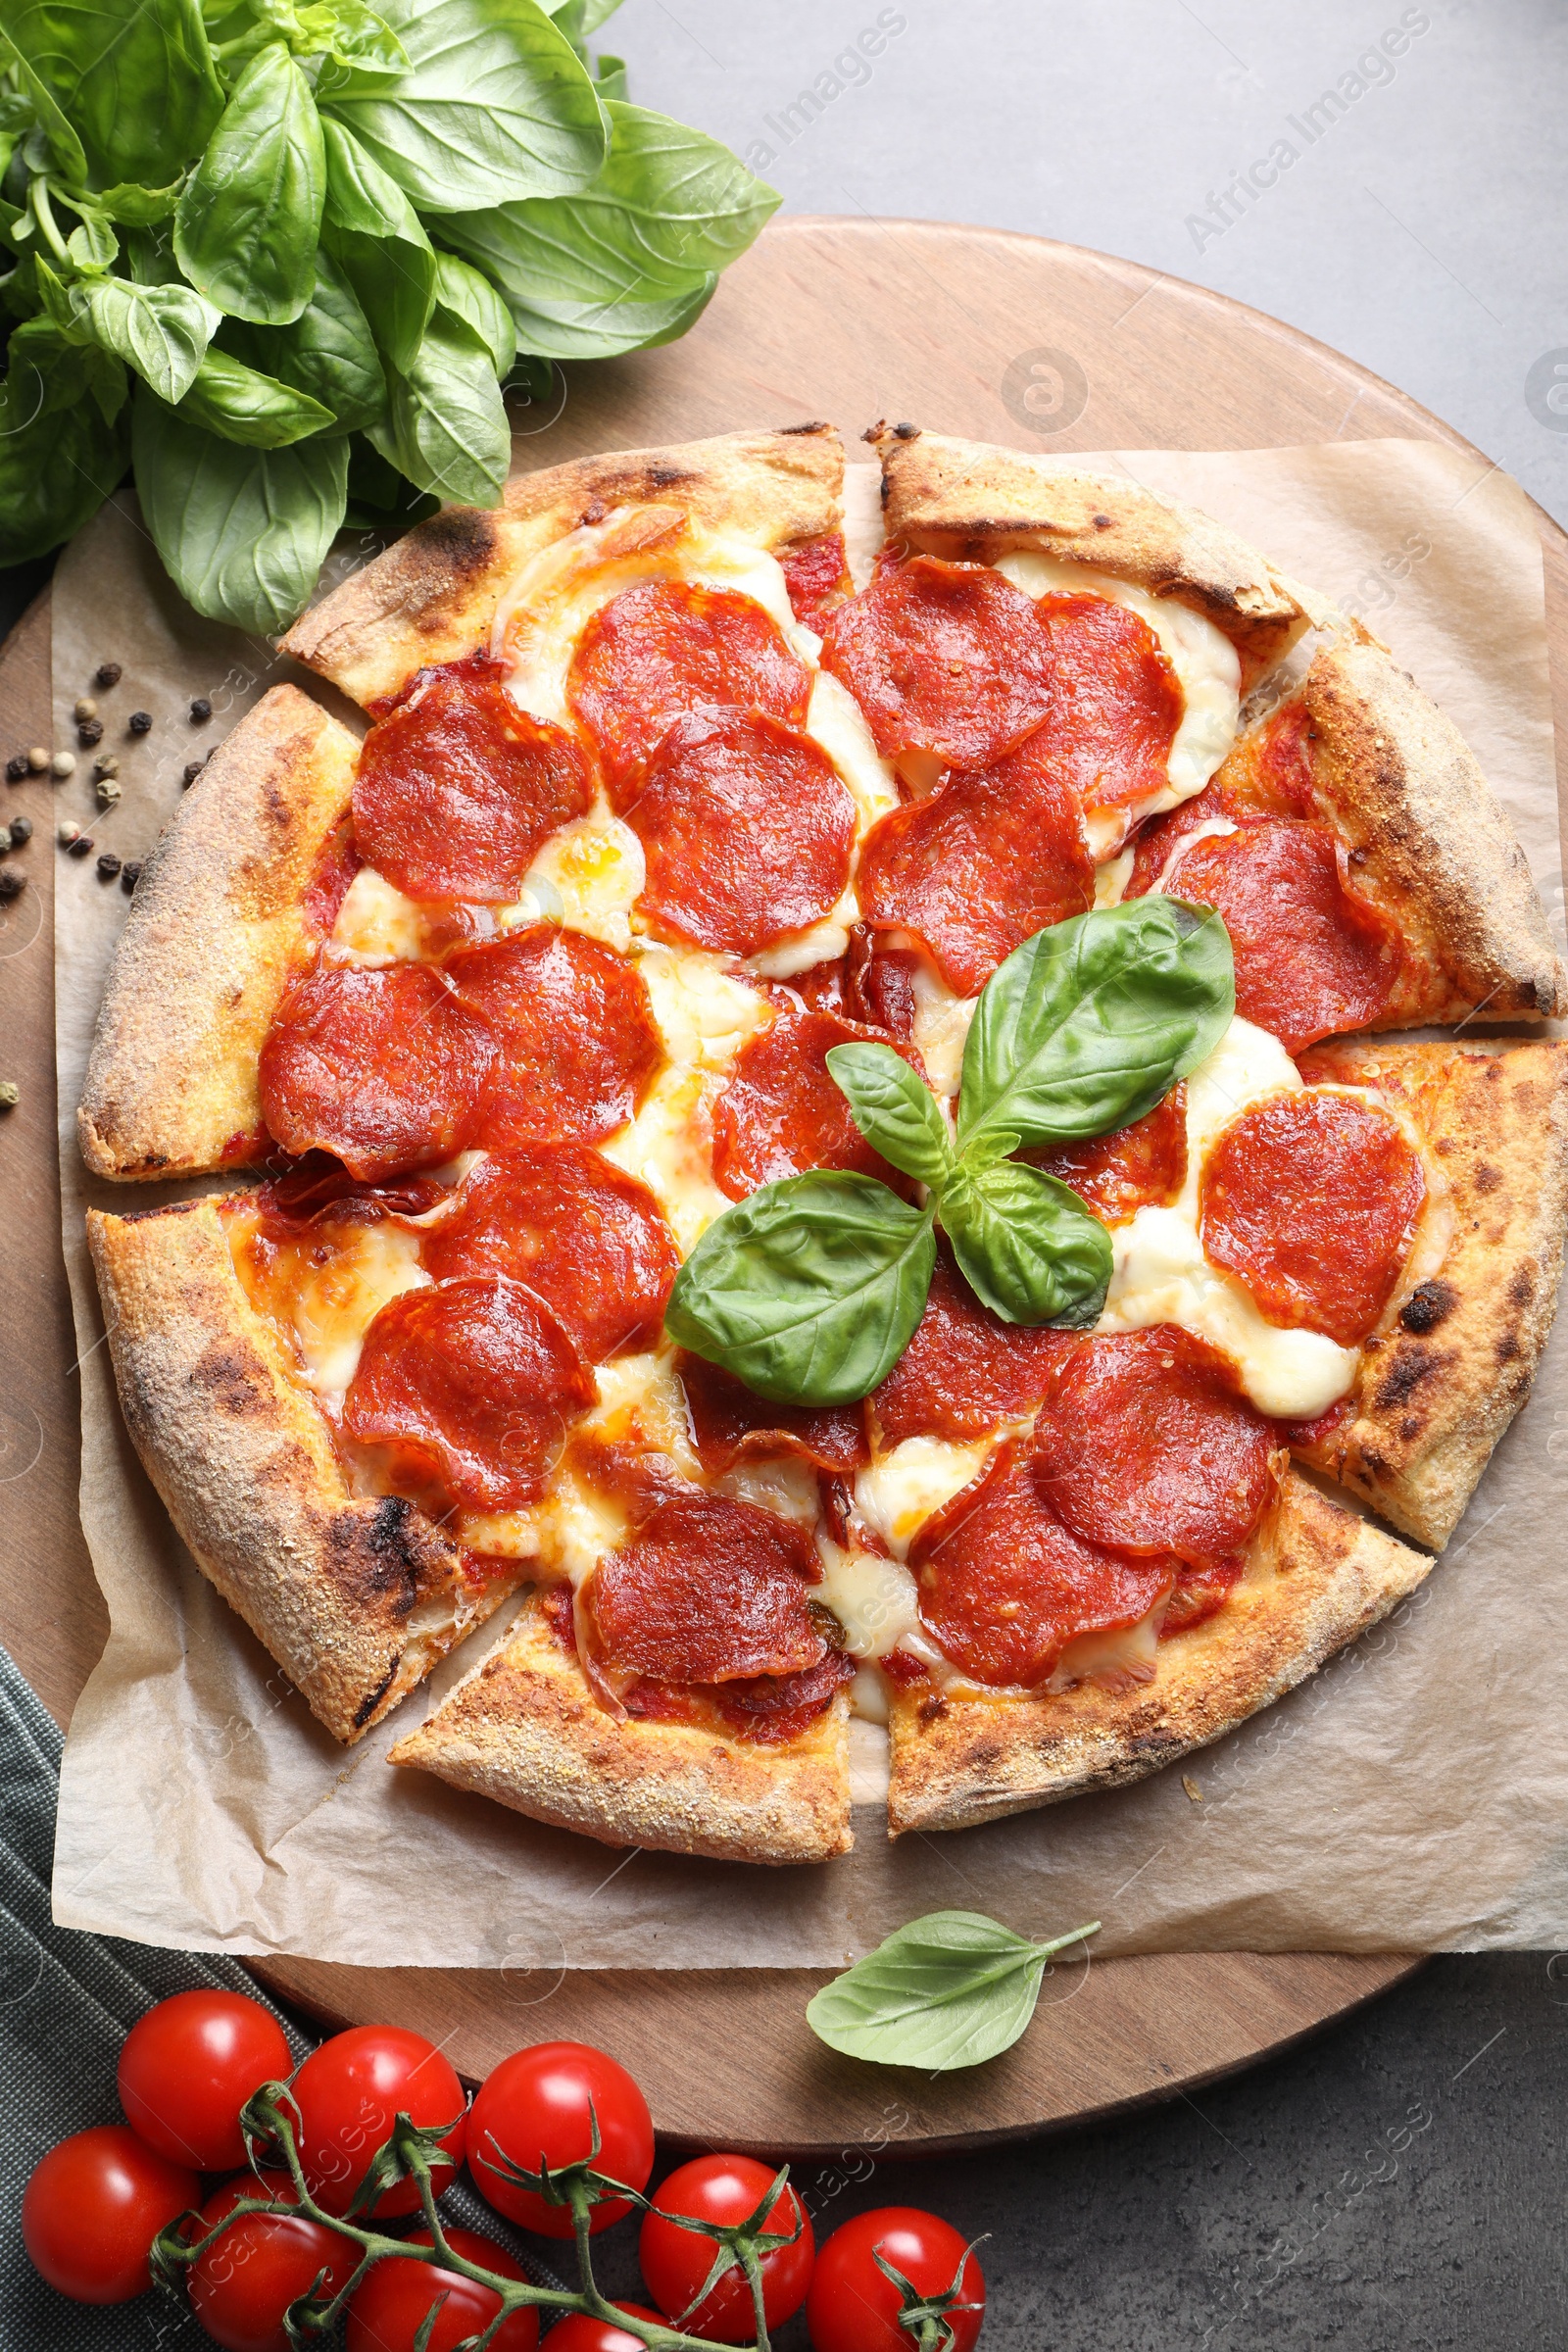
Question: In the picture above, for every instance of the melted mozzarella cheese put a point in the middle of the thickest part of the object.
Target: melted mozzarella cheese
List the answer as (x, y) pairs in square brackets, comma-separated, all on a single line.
[(587, 876), (376, 924), (941, 1028), (874, 1599), (705, 1014), (897, 1494), (1204, 658), (669, 1146), (332, 1305), (786, 1486), (835, 720)]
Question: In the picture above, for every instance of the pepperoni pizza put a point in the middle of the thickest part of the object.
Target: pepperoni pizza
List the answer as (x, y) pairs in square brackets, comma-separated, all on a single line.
[(496, 1013)]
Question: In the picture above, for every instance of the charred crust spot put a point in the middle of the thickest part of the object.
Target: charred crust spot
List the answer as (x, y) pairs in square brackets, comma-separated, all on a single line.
[(817, 425), (373, 1699), (230, 1378), (666, 478), (388, 1558), (1507, 1348), (1410, 1428), (931, 1709), (885, 490), (1429, 1305), (1409, 1368), (1373, 1462), (175, 1209), (907, 433), (873, 432), (595, 511), (1487, 1177), (1102, 522), (1521, 1288), (461, 540)]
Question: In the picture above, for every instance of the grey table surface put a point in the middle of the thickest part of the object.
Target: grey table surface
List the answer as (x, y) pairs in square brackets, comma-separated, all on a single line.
[(1396, 2184)]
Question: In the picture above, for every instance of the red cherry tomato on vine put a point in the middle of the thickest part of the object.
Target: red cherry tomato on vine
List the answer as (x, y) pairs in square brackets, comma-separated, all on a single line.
[(247, 2278), (348, 2092), (579, 2334), (92, 2208), (675, 2262), (387, 2309), (188, 2067), (853, 2307), (535, 2106)]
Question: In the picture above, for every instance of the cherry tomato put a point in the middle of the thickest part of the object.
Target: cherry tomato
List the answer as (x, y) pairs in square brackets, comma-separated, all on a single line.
[(188, 2067), (387, 2310), (348, 2092), (534, 2106), (675, 2262), (579, 2334), (92, 2208), (853, 2307), (245, 2282)]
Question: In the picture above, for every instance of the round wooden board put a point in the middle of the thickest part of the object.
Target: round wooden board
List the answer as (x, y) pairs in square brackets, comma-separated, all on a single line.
[(851, 320)]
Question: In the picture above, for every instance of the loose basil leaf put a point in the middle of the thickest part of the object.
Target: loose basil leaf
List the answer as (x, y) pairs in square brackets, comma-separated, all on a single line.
[(162, 331), (496, 105), (952, 1990), (135, 79), (59, 454), (460, 290), (242, 532), (240, 403), (328, 352), (248, 223), (446, 422), (1027, 1246), (373, 230), (893, 1109), (1089, 1023), (810, 1291)]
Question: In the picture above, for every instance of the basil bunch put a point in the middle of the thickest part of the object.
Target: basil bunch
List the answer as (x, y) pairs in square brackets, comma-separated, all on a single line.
[(286, 255), (810, 1290)]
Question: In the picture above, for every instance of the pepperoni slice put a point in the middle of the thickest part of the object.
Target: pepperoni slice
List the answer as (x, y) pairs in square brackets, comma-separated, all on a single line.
[(1148, 1447), (474, 1383), (317, 1190), (458, 789), (1005, 1585), (588, 1238), (730, 1420), (982, 864), (944, 657), (966, 1372), (816, 574), (746, 830), (781, 1114), (658, 653), (708, 1590), (775, 1708), (1118, 702), (868, 983), (1311, 958), (1310, 1200), (1116, 1175), (1201, 1592), (579, 1045), (385, 1068)]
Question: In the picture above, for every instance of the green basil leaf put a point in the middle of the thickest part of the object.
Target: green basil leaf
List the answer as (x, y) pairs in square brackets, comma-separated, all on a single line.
[(373, 230), (578, 331), (135, 77), (380, 498), (61, 146), (610, 78), (162, 331), (446, 422), (1027, 1246), (363, 41), (810, 1291), (893, 1109), (496, 106), (468, 295), (242, 532), (1089, 1023), (328, 352), (240, 403), (60, 456), (248, 223), (137, 207), (93, 245), (952, 1990)]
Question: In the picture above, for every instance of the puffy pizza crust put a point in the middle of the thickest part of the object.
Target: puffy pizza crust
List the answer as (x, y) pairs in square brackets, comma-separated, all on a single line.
[(1317, 1577), (432, 597), (357, 1598), (1442, 1383), (526, 1730), (214, 933), (971, 502)]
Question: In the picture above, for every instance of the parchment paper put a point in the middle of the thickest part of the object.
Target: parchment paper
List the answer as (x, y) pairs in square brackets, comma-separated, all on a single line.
[(1415, 1795)]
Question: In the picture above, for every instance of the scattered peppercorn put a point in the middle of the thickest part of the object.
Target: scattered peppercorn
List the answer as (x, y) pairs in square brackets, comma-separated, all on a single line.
[(12, 884), (15, 768), (21, 830), (80, 847), (10, 1094), (107, 763), (90, 731), (86, 708), (193, 769), (107, 792), (129, 875), (63, 765), (108, 673), (68, 833), (108, 866), (201, 710), (140, 722), (38, 758)]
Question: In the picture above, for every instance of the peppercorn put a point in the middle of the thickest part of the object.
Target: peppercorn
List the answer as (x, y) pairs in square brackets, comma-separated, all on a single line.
[(10, 1094), (140, 722), (12, 884), (107, 792), (68, 833), (105, 764), (108, 866), (86, 708), (21, 830), (80, 847), (193, 769), (129, 875), (38, 758), (61, 765), (15, 768), (90, 731), (109, 673), (201, 710)]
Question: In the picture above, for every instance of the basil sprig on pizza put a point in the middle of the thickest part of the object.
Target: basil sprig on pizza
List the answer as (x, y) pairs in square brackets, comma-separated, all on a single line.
[(810, 1291), (961, 996)]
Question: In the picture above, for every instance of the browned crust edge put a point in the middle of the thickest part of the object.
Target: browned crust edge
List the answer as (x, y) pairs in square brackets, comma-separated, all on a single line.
[(355, 1598), (1318, 1576), (432, 597), (1440, 1387), (972, 502), (527, 1730), (215, 932)]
